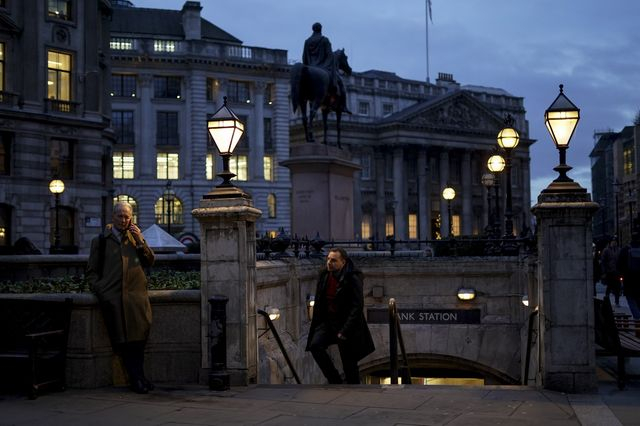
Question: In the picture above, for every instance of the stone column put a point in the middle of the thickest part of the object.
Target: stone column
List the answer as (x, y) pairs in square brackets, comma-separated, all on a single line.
[(444, 180), (424, 196), (467, 194), (381, 205), (400, 200), (228, 268), (565, 288)]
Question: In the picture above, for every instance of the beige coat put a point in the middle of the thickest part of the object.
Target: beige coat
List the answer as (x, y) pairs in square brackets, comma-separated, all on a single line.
[(122, 289)]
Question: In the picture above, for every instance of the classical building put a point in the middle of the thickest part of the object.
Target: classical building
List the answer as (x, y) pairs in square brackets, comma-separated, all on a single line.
[(54, 121), (412, 139), (170, 70), (614, 180)]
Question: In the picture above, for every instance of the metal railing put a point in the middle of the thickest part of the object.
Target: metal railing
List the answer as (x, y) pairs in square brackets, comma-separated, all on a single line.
[(395, 339), (534, 313), (279, 341)]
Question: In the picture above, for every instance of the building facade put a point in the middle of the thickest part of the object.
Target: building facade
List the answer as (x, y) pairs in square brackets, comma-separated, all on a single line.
[(54, 121), (412, 139), (170, 71)]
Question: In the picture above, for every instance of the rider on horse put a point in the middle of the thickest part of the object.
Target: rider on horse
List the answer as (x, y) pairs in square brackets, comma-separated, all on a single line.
[(317, 52)]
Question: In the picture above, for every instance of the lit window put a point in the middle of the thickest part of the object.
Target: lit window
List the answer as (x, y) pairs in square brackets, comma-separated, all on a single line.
[(268, 168), (210, 167), (60, 9), (123, 85), (238, 166), (123, 165), (168, 207), (388, 226), (627, 155), (167, 165), (363, 108), (119, 43), (58, 76), (413, 226), (455, 221), (167, 87), (271, 205), (365, 227), (128, 199), (122, 123), (164, 46)]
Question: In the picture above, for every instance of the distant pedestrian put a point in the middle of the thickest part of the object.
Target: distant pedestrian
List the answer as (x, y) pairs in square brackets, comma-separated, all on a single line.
[(116, 273), (629, 267), (609, 268), (338, 318)]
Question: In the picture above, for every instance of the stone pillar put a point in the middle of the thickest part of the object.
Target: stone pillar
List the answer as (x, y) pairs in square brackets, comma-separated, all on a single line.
[(565, 288), (444, 180), (381, 202), (400, 200), (228, 268), (467, 194), (424, 196), (322, 181)]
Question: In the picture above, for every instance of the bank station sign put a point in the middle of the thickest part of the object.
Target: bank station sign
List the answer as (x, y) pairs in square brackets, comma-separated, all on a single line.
[(426, 316)]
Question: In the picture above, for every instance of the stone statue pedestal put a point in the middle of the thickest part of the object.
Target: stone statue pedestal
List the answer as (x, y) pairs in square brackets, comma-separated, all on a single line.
[(228, 268), (565, 289), (322, 191)]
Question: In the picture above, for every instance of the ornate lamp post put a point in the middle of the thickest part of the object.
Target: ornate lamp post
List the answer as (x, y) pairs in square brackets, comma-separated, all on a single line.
[(508, 139), (488, 180), (561, 119), (56, 187), (169, 197), (449, 194), (496, 165), (225, 129)]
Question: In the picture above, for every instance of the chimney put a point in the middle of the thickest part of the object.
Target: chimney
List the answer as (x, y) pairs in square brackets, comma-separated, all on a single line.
[(446, 80), (191, 20)]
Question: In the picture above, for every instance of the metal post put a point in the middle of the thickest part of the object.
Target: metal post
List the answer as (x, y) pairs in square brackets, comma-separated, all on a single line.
[(450, 221), (393, 343), (219, 378), (508, 212), (56, 235)]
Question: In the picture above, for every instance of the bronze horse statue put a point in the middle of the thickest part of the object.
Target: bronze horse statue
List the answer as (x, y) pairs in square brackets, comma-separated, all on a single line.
[(311, 85)]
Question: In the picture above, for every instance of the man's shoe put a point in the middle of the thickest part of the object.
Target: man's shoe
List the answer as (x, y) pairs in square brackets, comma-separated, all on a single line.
[(150, 386), (138, 386)]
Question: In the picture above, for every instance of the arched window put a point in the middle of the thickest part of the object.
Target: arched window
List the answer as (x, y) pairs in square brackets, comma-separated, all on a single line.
[(271, 205), (128, 199), (66, 225), (168, 207)]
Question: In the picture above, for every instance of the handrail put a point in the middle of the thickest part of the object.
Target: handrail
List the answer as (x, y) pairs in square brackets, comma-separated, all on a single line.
[(525, 378), (277, 337), (395, 338)]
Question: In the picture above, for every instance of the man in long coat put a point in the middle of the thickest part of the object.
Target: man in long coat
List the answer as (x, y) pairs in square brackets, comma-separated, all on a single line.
[(116, 273), (338, 318)]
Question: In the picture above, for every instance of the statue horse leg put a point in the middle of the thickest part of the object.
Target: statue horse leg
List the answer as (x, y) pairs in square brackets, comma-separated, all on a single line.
[(338, 119), (325, 115), (308, 134)]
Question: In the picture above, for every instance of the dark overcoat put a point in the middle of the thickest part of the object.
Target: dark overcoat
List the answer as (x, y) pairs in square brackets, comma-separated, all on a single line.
[(122, 288), (351, 322)]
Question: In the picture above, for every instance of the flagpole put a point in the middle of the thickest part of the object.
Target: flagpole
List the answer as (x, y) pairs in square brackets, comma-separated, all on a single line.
[(426, 8)]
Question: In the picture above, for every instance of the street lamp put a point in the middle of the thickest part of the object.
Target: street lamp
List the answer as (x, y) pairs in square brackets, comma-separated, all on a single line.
[(168, 198), (508, 139), (488, 180), (225, 129), (496, 165), (56, 187), (561, 119), (449, 194)]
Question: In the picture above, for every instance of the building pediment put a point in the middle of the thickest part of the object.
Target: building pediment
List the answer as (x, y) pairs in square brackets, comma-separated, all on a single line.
[(457, 112)]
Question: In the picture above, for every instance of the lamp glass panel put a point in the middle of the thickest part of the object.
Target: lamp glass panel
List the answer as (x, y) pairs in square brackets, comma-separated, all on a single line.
[(496, 163), (448, 193), (508, 138), (561, 125), (56, 186), (226, 134)]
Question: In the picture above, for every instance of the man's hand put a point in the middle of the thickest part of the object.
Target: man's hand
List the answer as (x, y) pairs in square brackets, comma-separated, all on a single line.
[(136, 234), (341, 336)]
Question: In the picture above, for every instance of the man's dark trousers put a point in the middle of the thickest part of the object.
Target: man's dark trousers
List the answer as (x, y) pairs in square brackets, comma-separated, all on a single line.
[(323, 337)]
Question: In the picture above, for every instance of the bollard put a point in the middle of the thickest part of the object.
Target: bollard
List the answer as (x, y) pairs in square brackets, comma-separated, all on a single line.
[(219, 378)]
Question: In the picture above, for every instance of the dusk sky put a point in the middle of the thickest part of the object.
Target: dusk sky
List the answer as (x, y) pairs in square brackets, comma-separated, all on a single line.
[(527, 48)]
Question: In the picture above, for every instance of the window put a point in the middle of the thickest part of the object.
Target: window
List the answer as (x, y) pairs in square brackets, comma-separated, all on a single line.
[(60, 9), (123, 165), (167, 165), (363, 108), (365, 227), (268, 168), (166, 87), (66, 219), (212, 89), (5, 225), (455, 224), (365, 162), (627, 155), (164, 46), (167, 128), (168, 210), (238, 91), (387, 109), (61, 156), (59, 76), (128, 199), (271, 205), (123, 85), (455, 166), (238, 165), (388, 225), (120, 43), (1, 67), (268, 94), (210, 167), (268, 134), (122, 123), (6, 140), (413, 226)]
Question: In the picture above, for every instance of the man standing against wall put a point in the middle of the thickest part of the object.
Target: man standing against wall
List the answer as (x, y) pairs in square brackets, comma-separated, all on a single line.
[(116, 273), (338, 318)]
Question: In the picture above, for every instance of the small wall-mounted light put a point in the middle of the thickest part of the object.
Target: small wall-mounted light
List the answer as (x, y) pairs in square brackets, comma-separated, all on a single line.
[(311, 301), (274, 313), (466, 294), (525, 300)]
